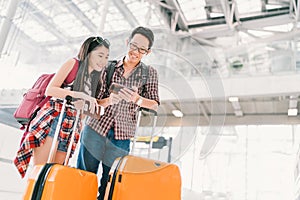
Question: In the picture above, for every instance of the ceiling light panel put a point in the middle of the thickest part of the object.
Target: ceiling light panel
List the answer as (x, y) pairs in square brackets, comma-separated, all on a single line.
[(36, 31), (292, 112), (280, 28), (259, 34), (44, 7), (115, 21), (193, 9), (154, 17), (55, 17), (69, 25), (248, 6), (3, 8), (177, 113), (93, 12), (145, 13)]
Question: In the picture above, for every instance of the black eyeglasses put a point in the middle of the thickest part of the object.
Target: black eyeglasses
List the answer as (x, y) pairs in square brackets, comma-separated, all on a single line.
[(135, 47), (100, 40)]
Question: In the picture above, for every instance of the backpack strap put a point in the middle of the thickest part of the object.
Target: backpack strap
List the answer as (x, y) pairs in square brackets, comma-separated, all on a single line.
[(109, 73), (145, 73), (72, 75)]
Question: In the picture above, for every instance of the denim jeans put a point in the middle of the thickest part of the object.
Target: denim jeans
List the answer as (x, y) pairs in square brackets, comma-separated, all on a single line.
[(62, 146), (95, 148)]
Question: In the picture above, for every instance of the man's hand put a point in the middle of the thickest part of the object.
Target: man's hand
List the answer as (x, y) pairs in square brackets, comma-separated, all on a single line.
[(129, 95), (114, 99)]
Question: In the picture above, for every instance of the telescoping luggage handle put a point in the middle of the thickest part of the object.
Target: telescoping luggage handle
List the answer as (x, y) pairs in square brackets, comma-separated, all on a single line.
[(152, 130), (67, 101)]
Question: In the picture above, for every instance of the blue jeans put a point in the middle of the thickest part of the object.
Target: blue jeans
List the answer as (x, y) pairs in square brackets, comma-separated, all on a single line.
[(62, 145), (95, 148)]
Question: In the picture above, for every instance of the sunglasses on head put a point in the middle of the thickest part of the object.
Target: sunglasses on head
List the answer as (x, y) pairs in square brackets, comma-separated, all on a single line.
[(100, 40)]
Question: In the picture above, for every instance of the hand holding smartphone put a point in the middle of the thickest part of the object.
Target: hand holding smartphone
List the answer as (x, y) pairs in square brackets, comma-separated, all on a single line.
[(122, 92), (116, 87)]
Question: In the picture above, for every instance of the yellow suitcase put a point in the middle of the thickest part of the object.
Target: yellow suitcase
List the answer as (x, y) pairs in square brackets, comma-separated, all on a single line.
[(137, 178)]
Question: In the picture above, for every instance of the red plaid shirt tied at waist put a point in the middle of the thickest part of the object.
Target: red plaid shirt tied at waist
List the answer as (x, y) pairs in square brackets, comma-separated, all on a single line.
[(39, 129)]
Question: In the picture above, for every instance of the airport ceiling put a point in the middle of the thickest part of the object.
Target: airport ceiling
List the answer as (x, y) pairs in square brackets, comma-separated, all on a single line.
[(237, 28), (194, 38)]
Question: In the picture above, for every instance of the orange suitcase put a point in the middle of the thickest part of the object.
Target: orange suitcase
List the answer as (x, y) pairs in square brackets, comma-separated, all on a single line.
[(57, 182), (60, 182), (137, 178)]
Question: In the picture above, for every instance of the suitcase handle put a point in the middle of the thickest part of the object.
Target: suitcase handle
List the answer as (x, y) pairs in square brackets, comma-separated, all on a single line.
[(138, 124), (148, 110), (67, 101)]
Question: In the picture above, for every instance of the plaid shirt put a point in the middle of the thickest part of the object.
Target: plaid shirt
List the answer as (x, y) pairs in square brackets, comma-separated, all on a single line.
[(122, 116), (39, 129)]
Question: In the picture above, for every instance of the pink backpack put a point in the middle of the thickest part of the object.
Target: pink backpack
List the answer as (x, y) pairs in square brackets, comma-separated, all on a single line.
[(35, 97)]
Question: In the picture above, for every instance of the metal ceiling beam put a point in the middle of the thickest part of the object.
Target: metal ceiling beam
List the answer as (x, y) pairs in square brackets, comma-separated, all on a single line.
[(211, 31), (73, 8), (236, 106), (230, 120), (263, 5), (205, 42), (189, 120), (162, 4), (244, 19), (7, 22), (277, 37), (122, 7), (103, 17), (228, 10), (45, 21), (164, 10), (177, 16), (298, 11), (204, 112), (295, 9), (25, 41)]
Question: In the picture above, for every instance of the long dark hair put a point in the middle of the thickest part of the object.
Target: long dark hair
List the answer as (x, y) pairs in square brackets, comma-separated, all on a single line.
[(88, 45)]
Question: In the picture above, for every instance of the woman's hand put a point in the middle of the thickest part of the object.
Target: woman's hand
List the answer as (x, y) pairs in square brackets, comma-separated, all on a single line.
[(79, 104), (91, 101), (94, 107)]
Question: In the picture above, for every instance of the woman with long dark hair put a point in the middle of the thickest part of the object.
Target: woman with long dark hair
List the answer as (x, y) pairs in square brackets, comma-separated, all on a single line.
[(92, 58)]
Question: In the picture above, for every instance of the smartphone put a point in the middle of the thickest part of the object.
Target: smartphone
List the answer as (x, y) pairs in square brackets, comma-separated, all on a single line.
[(116, 87)]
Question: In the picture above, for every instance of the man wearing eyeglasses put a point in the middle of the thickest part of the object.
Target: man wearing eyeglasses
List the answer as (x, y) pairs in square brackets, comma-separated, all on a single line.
[(109, 137)]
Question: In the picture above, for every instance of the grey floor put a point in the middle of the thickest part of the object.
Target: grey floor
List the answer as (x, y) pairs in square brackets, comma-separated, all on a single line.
[(11, 183), (12, 186)]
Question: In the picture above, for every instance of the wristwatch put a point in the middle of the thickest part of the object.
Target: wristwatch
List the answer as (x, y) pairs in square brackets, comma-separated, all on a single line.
[(139, 101)]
